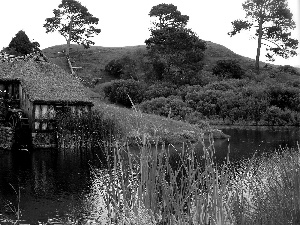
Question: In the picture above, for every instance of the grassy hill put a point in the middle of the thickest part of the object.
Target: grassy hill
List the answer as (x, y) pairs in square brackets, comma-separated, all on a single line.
[(91, 66), (94, 59)]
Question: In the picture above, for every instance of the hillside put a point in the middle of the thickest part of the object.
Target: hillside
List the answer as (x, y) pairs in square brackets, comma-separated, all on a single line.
[(265, 91), (94, 59)]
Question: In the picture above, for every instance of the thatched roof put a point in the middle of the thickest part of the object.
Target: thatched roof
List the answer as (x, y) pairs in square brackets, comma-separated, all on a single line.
[(44, 82)]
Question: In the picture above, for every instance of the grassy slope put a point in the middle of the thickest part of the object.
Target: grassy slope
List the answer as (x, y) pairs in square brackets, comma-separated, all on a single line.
[(94, 59), (93, 62)]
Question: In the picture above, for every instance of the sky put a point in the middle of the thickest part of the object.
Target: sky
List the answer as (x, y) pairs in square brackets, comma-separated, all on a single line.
[(127, 23)]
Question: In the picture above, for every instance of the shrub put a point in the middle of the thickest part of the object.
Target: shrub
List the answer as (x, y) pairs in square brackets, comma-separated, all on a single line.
[(171, 107), (162, 89), (185, 76), (114, 68), (194, 118), (189, 89), (118, 91), (285, 97), (124, 68), (229, 104), (228, 69), (276, 116), (289, 69), (223, 85), (205, 102)]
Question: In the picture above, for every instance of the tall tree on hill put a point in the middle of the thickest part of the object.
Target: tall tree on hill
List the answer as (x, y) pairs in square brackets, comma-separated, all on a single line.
[(21, 45), (74, 22), (168, 16), (172, 46), (272, 20)]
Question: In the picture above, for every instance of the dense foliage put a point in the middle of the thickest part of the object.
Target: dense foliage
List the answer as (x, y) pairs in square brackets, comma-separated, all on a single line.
[(171, 107), (178, 84), (269, 100), (229, 69), (124, 92), (123, 68), (21, 45), (174, 50), (160, 89)]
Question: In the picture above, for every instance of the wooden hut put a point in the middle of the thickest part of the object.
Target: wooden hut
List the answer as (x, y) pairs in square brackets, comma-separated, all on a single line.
[(41, 90)]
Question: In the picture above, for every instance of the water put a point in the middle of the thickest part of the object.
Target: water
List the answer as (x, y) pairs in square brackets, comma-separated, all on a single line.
[(58, 184), (244, 143)]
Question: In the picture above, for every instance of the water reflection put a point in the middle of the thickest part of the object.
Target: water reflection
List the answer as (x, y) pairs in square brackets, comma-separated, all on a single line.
[(51, 183), (58, 184), (244, 143)]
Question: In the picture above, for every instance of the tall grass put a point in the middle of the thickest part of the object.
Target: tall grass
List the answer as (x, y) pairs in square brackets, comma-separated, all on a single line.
[(150, 188), (269, 189), (87, 131)]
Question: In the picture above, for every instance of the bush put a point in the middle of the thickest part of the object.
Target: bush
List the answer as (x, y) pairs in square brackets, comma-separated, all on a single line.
[(185, 76), (124, 68), (289, 69), (118, 91), (189, 89), (255, 102), (195, 118), (285, 97), (205, 102), (223, 85), (276, 116), (162, 89), (228, 69), (171, 107)]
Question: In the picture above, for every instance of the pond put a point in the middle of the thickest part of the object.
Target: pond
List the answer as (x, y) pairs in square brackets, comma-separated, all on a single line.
[(59, 184)]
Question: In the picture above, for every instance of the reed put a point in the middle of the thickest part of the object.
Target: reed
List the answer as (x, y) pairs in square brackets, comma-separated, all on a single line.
[(13, 208), (150, 188), (268, 189), (87, 131)]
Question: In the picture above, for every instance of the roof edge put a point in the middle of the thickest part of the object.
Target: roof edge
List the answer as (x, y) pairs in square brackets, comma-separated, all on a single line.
[(59, 102)]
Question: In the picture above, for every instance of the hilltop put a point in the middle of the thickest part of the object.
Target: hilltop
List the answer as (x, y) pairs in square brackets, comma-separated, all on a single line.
[(93, 60)]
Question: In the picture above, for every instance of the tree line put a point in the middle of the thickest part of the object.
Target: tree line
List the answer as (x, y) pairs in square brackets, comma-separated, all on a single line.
[(171, 44)]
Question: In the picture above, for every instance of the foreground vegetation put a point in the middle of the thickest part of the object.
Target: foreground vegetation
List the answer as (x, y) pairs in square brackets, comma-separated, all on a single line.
[(153, 189), (225, 91), (157, 185)]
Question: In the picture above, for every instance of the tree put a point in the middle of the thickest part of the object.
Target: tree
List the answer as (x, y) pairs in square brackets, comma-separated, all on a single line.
[(21, 45), (168, 16), (74, 23), (272, 20), (177, 49)]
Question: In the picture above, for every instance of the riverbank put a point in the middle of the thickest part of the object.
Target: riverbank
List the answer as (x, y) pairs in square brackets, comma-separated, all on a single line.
[(134, 124)]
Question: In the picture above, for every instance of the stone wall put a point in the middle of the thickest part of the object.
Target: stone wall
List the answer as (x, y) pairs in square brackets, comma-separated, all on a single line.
[(6, 137)]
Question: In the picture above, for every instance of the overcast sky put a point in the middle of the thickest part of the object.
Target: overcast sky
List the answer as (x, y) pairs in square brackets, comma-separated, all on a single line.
[(126, 22)]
